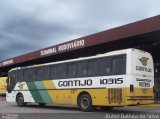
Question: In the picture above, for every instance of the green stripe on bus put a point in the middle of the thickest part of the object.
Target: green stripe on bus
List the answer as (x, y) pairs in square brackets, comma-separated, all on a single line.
[(35, 93), (44, 94)]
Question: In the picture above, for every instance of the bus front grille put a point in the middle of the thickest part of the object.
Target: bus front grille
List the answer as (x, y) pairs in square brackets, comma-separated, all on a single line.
[(115, 95)]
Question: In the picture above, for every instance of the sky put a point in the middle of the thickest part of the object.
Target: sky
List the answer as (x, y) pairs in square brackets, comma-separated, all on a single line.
[(30, 25)]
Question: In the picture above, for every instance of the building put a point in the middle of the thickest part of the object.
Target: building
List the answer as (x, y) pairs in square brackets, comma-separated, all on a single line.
[(144, 34)]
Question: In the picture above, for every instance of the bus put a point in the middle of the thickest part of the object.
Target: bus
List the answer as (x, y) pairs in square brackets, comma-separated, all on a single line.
[(117, 78), (3, 86)]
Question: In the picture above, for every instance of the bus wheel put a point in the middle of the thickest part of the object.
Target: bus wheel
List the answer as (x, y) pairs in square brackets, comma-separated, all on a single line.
[(20, 100), (85, 103), (42, 104)]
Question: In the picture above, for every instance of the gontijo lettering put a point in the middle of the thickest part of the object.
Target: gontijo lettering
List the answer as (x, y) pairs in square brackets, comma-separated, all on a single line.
[(143, 69), (75, 83)]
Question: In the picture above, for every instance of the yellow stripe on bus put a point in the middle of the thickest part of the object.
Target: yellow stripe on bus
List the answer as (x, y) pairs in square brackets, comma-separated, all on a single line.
[(49, 85)]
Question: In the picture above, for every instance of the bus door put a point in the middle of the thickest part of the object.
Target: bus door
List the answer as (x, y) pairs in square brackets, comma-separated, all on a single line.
[(11, 81)]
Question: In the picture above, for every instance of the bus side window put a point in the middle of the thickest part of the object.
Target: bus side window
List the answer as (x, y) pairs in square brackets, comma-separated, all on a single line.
[(118, 65), (25, 75), (61, 71), (39, 73), (43, 73), (82, 68), (46, 74), (53, 72), (105, 65), (32, 74), (20, 75), (72, 70), (93, 68)]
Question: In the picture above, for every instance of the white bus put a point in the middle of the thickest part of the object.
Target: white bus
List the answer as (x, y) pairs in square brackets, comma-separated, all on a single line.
[(117, 78)]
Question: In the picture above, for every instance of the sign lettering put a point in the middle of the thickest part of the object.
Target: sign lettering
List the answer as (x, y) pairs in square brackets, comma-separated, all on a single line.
[(63, 47), (7, 62)]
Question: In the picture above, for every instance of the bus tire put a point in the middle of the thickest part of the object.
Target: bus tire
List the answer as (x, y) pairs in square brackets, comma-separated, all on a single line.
[(20, 100), (85, 103)]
